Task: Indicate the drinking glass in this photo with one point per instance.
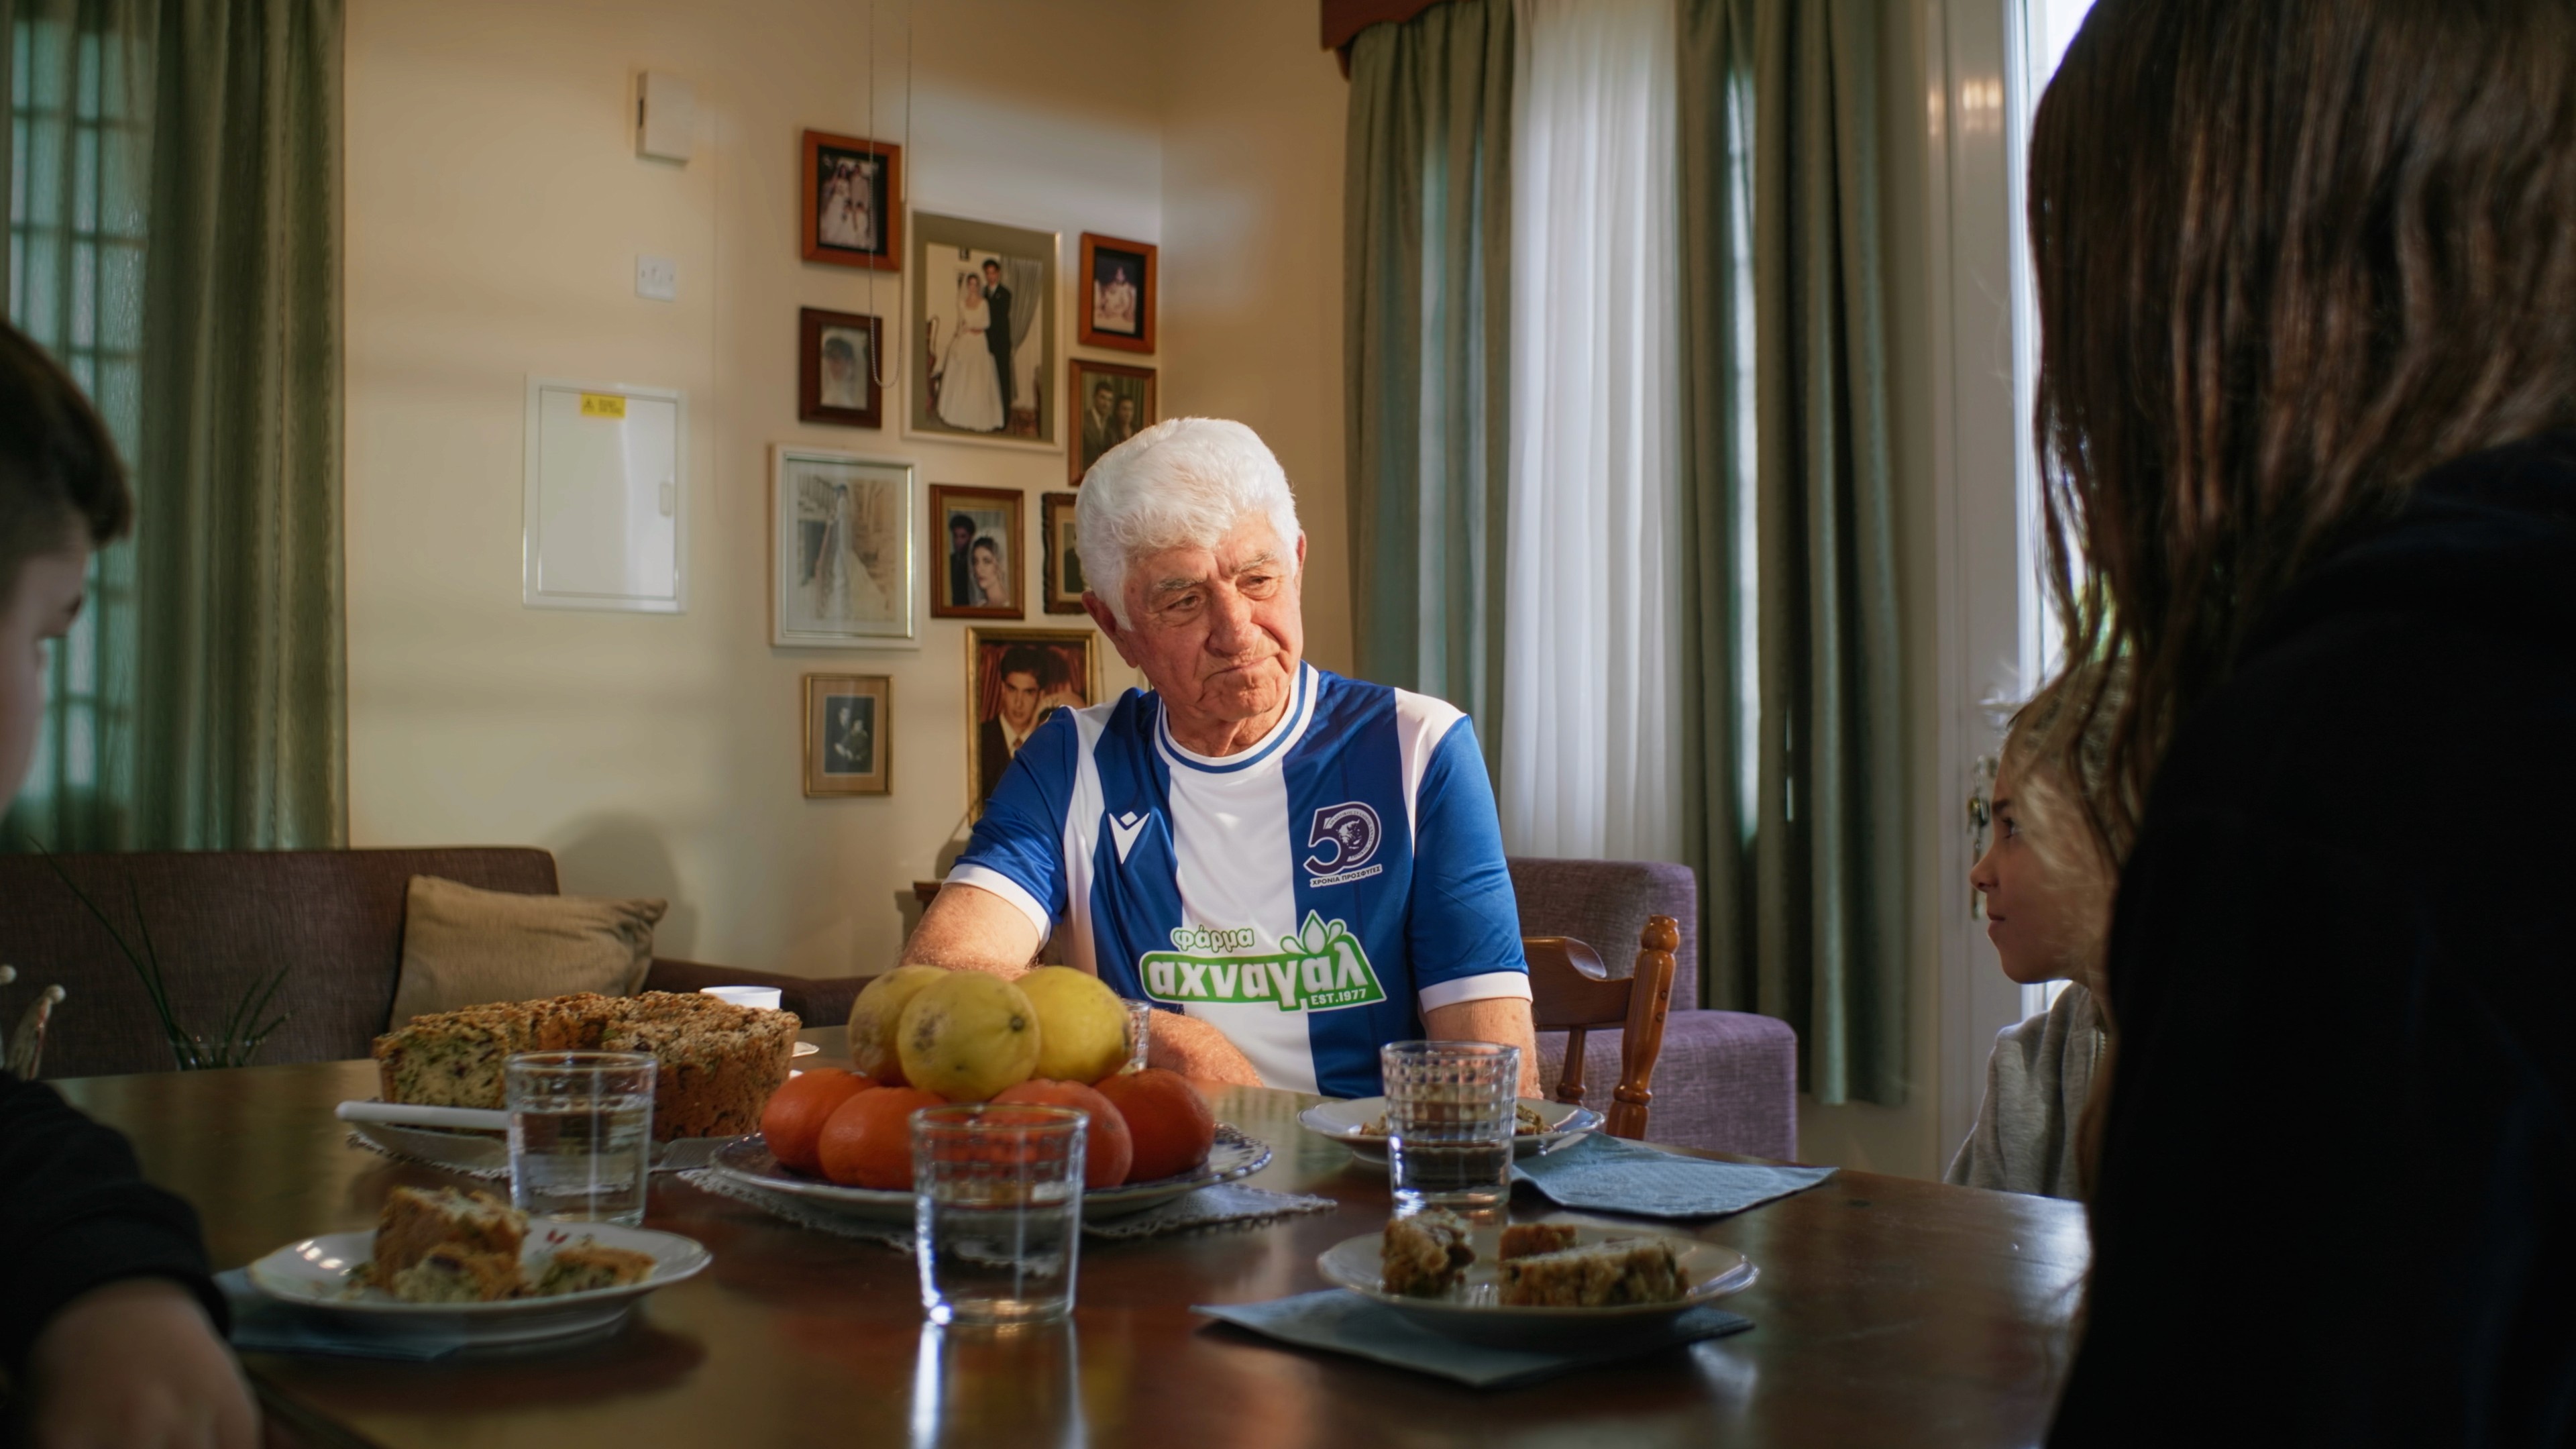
(997, 1211)
(1140, 1032)
(581, 1134)
(1449, 1110)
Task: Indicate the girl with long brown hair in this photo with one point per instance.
(2307, 295)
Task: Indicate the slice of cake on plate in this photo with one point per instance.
(1424, 1255)
(583, 1266)
(445, 1246)
(1621, 1271)
(1522, 1240)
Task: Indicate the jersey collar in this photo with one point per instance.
(1292, 723)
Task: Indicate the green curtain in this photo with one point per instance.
(1801, 850)
(175, 239)
(1426, 336)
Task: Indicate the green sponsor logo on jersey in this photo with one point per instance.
(1320, 968)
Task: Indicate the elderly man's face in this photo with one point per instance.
(1218, 632)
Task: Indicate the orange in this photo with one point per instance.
(1171, 1124)
(793, 1121)
(868, 1141)
(1108, 1150)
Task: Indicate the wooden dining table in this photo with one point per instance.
(1889, 1311)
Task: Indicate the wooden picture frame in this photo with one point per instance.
(962, 581)
(861, 227)
(849, 735)
(964, 382)
(1116, 272)
(842, 565)
(1062, 567)
(1063, 667)
(846, 395)
(1131, 389)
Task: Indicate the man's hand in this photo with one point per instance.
(1198, 1051)
(1503, 1019)
(134, 1364)
(970, 929)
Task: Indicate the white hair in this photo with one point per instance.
(1182, 483)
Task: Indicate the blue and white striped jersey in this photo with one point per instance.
(1309, 897)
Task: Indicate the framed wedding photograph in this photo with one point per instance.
(853, 201)
(975, 547)
(1111, 401)
(984, 330)
(1015, 678)
(1117, 293)
(836, 369)
(840, 551)
(1064, 584)
(849, 735)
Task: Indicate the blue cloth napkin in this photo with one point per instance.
(261, 1324)
(1341, 1321)
(1603, 1174)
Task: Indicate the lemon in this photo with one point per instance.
(1082, 1025)
(874, 1017)
(968, 1036)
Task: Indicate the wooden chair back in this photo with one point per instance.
(1573, 992)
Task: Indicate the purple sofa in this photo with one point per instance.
(1727, 1080)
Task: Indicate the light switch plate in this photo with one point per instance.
(657, 278)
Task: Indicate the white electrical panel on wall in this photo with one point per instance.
(607, 497)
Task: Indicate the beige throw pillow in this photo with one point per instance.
(465, 947)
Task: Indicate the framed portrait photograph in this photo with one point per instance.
(849, 743)
(975, 552)
(1117, 299)
(1015, 678)
(1111, 401)
(984, 324)
(853, 201)
(840, 550)
(1063, 566)
(837, 361)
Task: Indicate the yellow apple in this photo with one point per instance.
(968, 1036)
(875, 1016)
(1082, 1025)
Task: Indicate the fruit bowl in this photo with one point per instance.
(748, 1160)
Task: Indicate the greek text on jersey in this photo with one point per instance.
(1321, 968)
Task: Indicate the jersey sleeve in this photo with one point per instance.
(1017, 851)
(1464, 934)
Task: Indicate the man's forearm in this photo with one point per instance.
(1504, 1019)
(1195, 1049)
(967, 928)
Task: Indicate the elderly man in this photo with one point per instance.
(1298, 868)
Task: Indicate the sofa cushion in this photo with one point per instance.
(465, 947)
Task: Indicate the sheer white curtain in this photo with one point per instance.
(1591, 716)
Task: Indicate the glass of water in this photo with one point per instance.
(1449, 1111)
(581, 1134)
(1140, 1032)
(997, 1211)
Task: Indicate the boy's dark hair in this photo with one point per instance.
(60, 478)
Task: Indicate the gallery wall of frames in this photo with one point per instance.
(973, 345)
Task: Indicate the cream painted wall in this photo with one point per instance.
(1252, 259)
(495, 210)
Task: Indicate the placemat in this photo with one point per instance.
(1341, 1321)
(1604, 1174)
(897, 1236)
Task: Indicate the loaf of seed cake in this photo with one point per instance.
(719, 1062)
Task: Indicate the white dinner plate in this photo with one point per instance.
(807, 1049)
(1347, 1123)
(1472, 1310)
(315, 1274)
(748, 1160)
(487, 1154)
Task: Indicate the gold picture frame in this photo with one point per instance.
(1063, 668)
(849, 735)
